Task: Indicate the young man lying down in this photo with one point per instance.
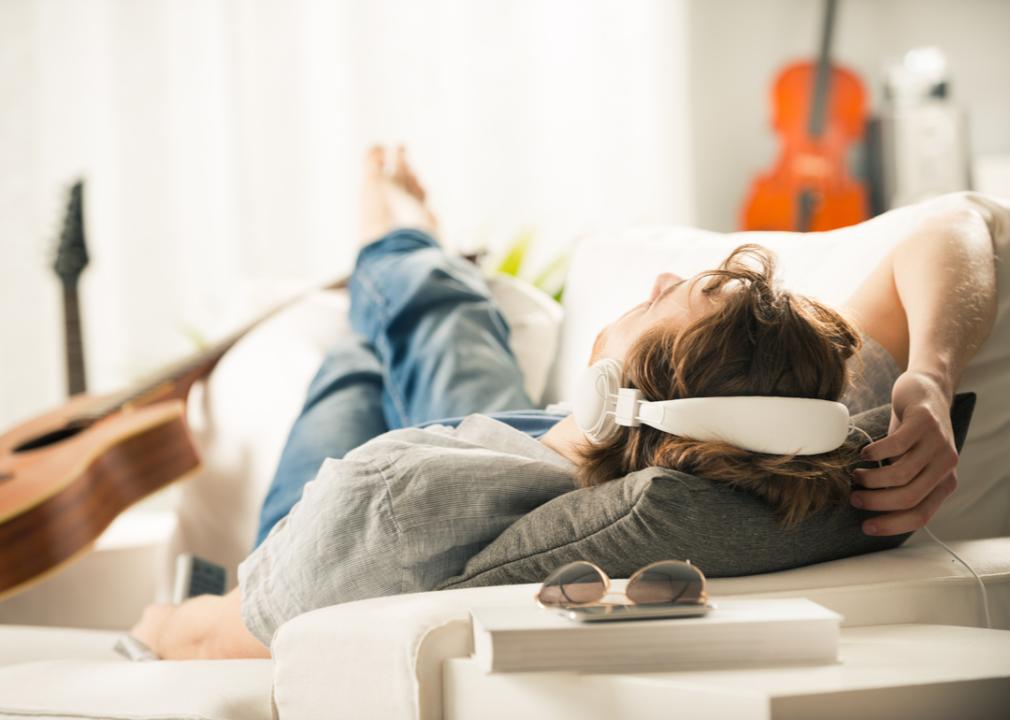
(377, 493)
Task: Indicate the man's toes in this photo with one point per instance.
(401, 168)
(404, 175)
(415, 189)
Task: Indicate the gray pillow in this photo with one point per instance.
(658, 514)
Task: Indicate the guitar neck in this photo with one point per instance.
(74, 344)
(822, 79)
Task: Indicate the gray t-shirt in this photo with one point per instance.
(408, 509)
(399, 514)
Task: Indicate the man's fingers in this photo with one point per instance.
(903, 521)
(897, 443)
(903, 497)
(901, 472)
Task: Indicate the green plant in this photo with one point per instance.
(550, 278)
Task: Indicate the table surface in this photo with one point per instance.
(889, 670)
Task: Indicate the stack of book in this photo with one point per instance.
(741, 633)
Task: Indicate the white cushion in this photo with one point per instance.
(22, 644)
(398, 644)
(611, 273)
(66, 673)
(535, 320)
(240, 418)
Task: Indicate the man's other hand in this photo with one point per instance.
(922, 457)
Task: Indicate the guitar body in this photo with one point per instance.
(64, 478)
(811, 170)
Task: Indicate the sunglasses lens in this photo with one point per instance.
(666, 582)
(573, 584)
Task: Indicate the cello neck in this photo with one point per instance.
(822, 79)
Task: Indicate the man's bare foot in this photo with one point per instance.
(391, 200)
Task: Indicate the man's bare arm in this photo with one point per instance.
(931, 303)
(946, 279)
(204, 627)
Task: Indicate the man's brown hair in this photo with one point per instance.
(760, 340)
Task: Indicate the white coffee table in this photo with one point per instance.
(886, 671)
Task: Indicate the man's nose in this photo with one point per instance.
(663, 281)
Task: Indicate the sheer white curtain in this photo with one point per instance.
(221, 142)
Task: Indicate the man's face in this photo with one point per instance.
(674, 302)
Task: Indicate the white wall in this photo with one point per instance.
(738, 46)
(221, 138)
(221, 141)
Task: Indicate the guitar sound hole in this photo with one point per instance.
(52, 437)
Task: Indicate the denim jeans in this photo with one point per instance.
(429, 347)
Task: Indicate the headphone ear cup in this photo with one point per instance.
(595, 400)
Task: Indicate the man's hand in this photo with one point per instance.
(151, 625)
(923, 457)
(205, 627)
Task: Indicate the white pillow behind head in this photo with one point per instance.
(611, 273)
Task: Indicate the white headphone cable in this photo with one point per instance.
(981, 585)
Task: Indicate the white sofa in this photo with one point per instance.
(385, 657)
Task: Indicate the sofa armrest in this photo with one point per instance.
(380, 657)
(383, 657)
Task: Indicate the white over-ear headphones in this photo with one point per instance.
(773, 425)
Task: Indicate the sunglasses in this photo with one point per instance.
(581, 583)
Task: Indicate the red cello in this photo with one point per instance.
(819, 111)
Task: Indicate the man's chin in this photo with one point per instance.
(597, 352)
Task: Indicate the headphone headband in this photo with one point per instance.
(772, 425)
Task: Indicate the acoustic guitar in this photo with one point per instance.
(66, 475)
(819, 111)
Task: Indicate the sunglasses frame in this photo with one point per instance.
(599, 602)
